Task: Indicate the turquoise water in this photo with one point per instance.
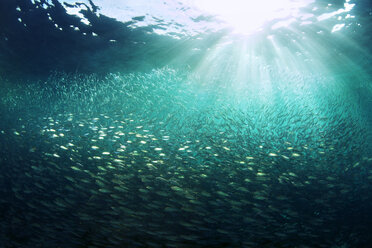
(209, 139)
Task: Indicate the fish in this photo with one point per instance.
(142, 165)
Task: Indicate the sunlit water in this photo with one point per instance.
(185, 124)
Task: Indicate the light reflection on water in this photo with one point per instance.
(302, 36)
(191, 17)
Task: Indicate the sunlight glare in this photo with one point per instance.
(248, 16)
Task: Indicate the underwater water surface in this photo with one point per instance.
(185, 123)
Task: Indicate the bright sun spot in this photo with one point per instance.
(248, 16)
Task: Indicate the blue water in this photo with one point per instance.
(160, 125)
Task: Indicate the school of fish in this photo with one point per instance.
(160, 159)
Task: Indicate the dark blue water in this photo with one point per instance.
(194, 137)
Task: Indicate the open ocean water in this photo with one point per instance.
(185, 123)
